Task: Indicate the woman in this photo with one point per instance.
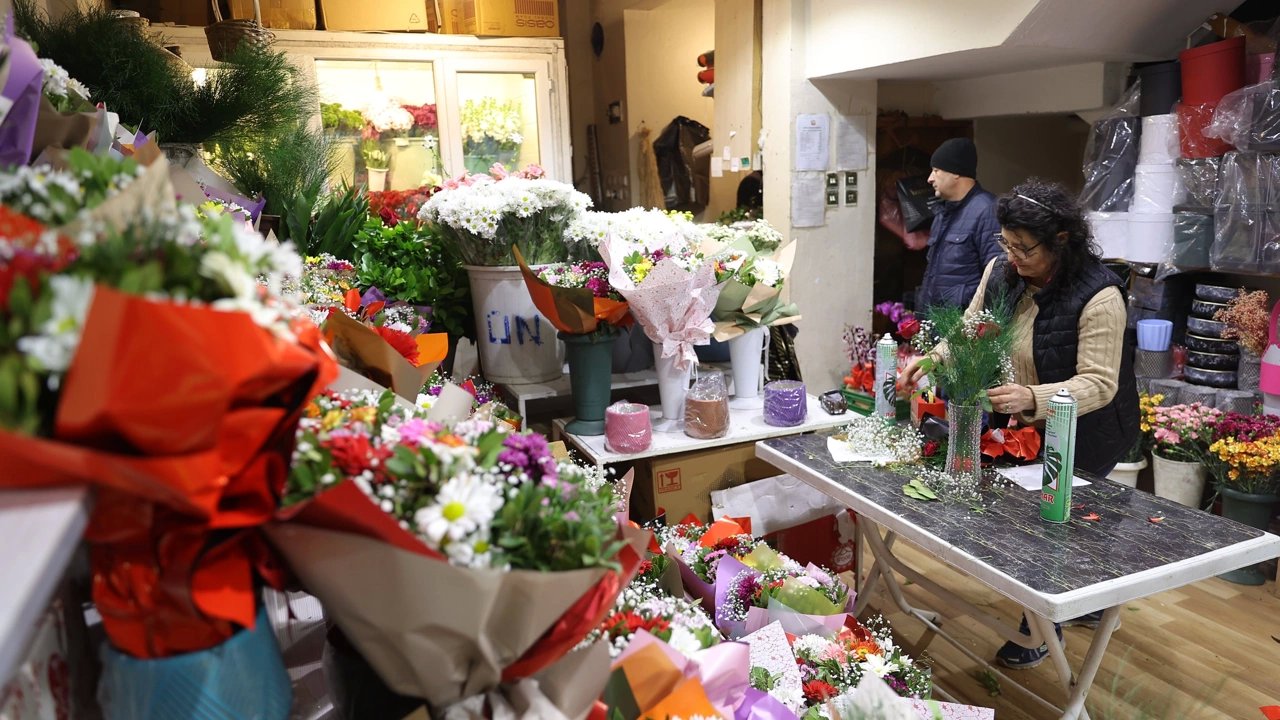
(1069, 317)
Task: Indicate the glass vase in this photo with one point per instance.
(964, 442)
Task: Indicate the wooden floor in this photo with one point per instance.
(1208, 650)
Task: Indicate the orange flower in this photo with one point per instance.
(451, 440)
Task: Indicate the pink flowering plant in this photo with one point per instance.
(590, 274)
(1180, 432)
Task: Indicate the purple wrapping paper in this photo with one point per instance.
(760, 705)
(23, 89)
(254, 207)
(703, 592)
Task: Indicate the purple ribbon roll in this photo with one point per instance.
(785, 403)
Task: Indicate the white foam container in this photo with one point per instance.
(1150, 237)
(1158, 143)
(1110, 232)
(1154, 189)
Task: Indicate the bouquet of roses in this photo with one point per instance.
(681, 624)
(764, 586)
(483, 216)
(1179, 432)
(1244, 453)
(831, 665)
(671, 288)
(751, 289)
(396, 206)
(576, 297)
(500, 557)
(93, 336)
(425, 118)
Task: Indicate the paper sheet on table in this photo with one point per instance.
(1030, 477)
(841, 452)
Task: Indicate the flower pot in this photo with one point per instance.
(1249, 370)
(243, 677)
(964, 442)
(745, 355)
(1127, 473)
(1179, 481)
(590, 360)
(673, 386)
(377, 179)
(1254, 510)
(517, 344)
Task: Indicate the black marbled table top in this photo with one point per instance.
(1010, 537)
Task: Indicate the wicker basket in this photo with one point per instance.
(225, 36)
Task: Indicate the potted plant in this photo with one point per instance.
(1179, 437)
(1244, 459)
(1247, 317)
(377, 162)
(1131, 464)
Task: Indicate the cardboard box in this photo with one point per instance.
(511, 18)
(450, 14)
(682, 484)
(388, 15)
(278, 14)
(179, 12)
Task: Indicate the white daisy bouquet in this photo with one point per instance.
(484, 216)
(759, 234)
(765, 586)
(831, 665)
(59, 196)
(142, 356)
(752, 288)
(492, 557)
(64, 92)
(638, 226)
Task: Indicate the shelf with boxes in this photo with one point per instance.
(406, 109)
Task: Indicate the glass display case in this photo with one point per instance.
(404, 110)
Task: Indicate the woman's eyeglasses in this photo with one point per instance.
(1020, 252)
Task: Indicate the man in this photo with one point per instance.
(963, 237)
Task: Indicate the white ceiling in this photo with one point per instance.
(1052, 33)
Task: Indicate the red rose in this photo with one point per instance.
(909, 327)
(815, 691)
(984, 329)
(351, 453)
(930, 448)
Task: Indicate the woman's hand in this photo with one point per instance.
(913, 373)
(1011, 399)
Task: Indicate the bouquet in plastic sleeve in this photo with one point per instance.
(385, 343)
(146, 360)
(22, 95)
(764, 586)
(576, 297)
(680, 623)
(484, 216)
(493, 558)
(698, 549)
(671, 288)
(835, 663)
(751, 289)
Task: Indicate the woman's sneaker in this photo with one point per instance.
(1091, 621)
(1017, 657)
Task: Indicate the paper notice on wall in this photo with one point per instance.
(813, 135)
(808, 199)
(851, 142)
(717, 166)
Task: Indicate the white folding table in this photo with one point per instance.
(1053, 571)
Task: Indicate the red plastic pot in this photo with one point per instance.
(1211, 71)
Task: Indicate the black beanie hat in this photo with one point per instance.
(957, 155)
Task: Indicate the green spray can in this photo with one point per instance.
(1059, 458)
(887, 377)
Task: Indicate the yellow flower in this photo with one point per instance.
(364, 414)
(641, 269)
(332, 419)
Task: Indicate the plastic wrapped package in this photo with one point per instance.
(1249, 118)
(627, 427)
(1269, 243)
(1237, 232)
(1154, 189)
(1193, 121)
(1192, 241)
(1150, 237)
(1198, 182)
(1244, 222)
(785, 403)
(1158, 143)
(706, 406)
(1110, 232)
(1111, 155)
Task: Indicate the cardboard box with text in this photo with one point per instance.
(682, 484)
(501, 18)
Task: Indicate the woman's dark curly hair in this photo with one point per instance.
(1045, 211)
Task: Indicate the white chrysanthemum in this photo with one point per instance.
(810, 645)
(877, 665)
(464, 504)
(56, 79)
(59, 336)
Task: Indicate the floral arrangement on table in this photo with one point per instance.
(185, 480)
(681, 624)
(1247, 318)
(377, 485)
(751, 289)
(576, 297)
(967, 353)
(484, 215)
(425, 119)
(1244, 453)
(832, 666)
(64, 92)
(492, 130)
(1177, 432)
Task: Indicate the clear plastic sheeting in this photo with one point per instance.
(1192, 242)
(1158, 143)
(1155, 187)
(1198, 182)
(1193, 120)
(1111, 155)
(1247, 215)
(1249, 118)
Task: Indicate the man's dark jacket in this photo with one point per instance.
(961, 243)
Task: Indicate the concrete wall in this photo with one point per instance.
(831, 279)
(662, 47)
(1012, 149)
